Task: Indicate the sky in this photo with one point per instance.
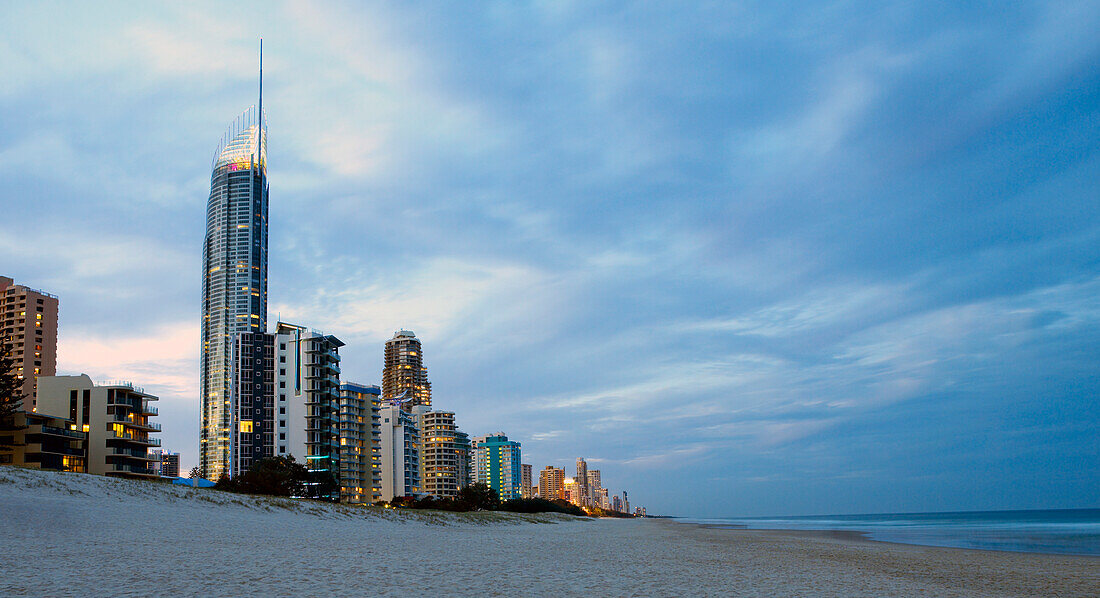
(746, 258)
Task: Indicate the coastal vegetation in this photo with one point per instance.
(480, 497)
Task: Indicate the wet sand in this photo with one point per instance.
(845, 563)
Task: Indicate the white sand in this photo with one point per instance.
(71, 534)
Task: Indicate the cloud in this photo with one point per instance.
(718, 242)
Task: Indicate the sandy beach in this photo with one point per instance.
(72, 534)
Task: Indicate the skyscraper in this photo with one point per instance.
(234, 277)
(581, 481)
(404, 371)
(28, 325)
(400, 457)
(525, 482)
(307, 381)
(360, 447)
(552, 483)
(439, 454)
(497, 464)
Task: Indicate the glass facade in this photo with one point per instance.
(234, 280)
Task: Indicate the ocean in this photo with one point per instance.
(1064, 531)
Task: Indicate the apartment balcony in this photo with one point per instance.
(129, 423)
(134, 470)
(132, 437)
(32, 448)
(130, 454)
(52, 431)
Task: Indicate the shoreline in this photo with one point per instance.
(865, 536)
(937, 570)
(857, 536)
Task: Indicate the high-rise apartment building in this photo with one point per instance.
(307, 385)
(28, 326)
(463, 455)
(403, 373)
(594, 486)
(438, 452)
(400, 456)
(581, 496)
(359, 443)
(234, 279)
(525, 490)
(114, 415)
(252, 399)
(497, 464)
(552, 483)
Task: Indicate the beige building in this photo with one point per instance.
(439, 454)
(360, 444)
(403, 373)
(525, 489)
(28, 322)
(114, 415)
(43, 442)
(552, 483)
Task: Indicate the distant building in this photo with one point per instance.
(639, 511)
(580, 491)
(463, 456)
(552, 483)
(439, 455)
(594, 489)
(252, 400)
(403, 373)
(525, 489)
(497, 464)
(570, 490)
(307, 376)
(169, 463)
(115, 416)
(28, 325)
(616, 503)
(400, 460)
(360, 432)
(44, 442)
(626, 503)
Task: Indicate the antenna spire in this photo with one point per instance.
(260, 110)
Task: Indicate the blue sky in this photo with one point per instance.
(747, 258)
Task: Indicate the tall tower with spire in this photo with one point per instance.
(234, 278)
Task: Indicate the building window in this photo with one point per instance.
(282, 423)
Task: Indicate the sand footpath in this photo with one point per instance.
(80, 535)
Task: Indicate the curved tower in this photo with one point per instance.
(234, 277)
(404, 371)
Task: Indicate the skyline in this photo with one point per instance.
(758, 262)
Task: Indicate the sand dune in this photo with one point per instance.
(71, 534)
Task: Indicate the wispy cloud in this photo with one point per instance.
(714, 242)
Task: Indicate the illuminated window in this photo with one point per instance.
(246, 427)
